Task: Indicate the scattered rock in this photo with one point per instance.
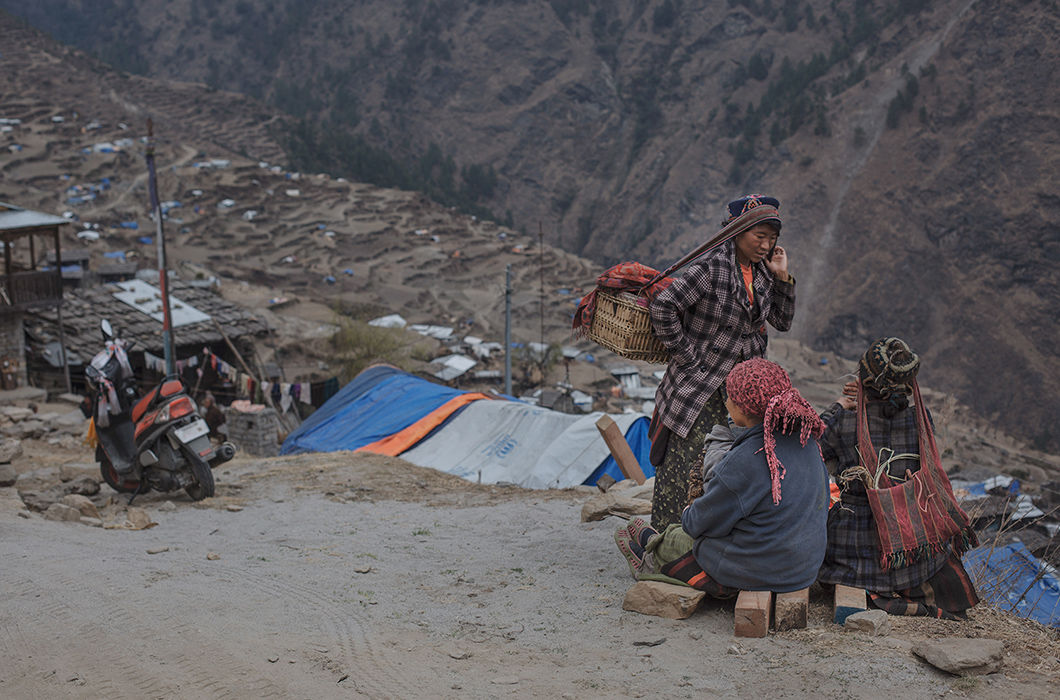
(82, 503)
(11, 502)
(157, 550)
(362, 569)
(601, 505)
(504, 680)
(650, 643)
(232, 508)
(696, 635)
(871, 622)
(38, 479)
(73, 470)
(16, 413)
(138, 519)
(8, 476)
(40, 500)
(963, 657)
(84, 485)
(273, 659)
(166, 507)
(459, 654)
(72, 423)
(91, 522)
(59, 511)
(213, 556)
(734, 650)
(662, 599)
(10, 448)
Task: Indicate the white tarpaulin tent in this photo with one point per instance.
(518, 443)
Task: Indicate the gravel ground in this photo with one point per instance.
(333, 575)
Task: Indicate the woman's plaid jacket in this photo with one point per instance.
(704, 319)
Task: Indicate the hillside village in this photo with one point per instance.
(293, 283)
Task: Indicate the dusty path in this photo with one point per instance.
(471, 592)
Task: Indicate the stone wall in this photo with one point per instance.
(13, 347)
(253, 433)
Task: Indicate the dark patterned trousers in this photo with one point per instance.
(683, 454)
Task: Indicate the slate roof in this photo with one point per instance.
(83, 309)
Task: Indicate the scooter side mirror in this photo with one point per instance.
(108, 331)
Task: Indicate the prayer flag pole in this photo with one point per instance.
(163, 274)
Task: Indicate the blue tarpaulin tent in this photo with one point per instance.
(1013, 579)
(379, 402)
(544, 448)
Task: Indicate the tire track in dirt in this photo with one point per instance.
(138, 618)
(345, 631)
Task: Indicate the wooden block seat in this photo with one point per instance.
(847, 602)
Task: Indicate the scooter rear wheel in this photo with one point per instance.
(200, 469)
(110, 475)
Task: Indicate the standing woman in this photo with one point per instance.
(711, 318)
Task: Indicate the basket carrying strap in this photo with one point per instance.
(737, 225)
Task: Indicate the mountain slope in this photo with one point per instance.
(912, 145)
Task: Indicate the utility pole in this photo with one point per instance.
(508, 330)
(163, 274)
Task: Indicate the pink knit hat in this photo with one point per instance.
(762, 388)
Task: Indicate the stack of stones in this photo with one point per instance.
(253, 433)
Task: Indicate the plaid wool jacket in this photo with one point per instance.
(706, 322)
(853, 554)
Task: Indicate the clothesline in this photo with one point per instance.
(283, 394)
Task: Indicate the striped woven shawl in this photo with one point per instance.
(920, 516)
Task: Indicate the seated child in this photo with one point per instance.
(745, 532)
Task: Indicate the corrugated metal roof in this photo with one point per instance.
(13, 218)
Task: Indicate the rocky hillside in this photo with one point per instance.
(911, 143)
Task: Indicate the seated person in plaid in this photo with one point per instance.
(932, 581)
(740, 534)
(710, 318)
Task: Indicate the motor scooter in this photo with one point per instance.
(157, 441)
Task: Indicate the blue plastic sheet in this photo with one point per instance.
(378, 403)
(1015, 580)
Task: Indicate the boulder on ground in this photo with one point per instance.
(84, 485)
(83, 504)
(40, 500)
(58, 511)
(38, 479)
(73, 470)
(10, 448)
(872, 622)
(603, 504)
(8, 475)
(662, 599)
(962, 657)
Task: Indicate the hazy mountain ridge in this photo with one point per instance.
(623, 127)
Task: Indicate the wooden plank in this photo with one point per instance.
(791, 610)
(847, 602)
(752, 614)
(616, 442)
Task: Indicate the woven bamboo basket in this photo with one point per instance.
(623, 326)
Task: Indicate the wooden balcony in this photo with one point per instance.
(30, 290)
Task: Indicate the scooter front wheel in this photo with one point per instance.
(204, 484)
(110, 475)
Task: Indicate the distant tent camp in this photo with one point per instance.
(474, 436)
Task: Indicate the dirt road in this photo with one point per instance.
(349, 575)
